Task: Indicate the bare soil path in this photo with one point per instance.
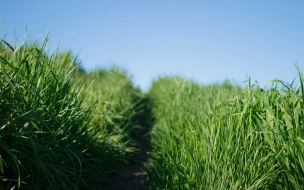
(132, 176)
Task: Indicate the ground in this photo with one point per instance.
(132, 176)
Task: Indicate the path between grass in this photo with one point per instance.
(132, 176)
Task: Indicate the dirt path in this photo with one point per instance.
(132, 176)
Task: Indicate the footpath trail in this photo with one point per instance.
(132, 176)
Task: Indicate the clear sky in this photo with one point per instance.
(206, 41)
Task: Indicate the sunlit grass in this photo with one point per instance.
(223, 137)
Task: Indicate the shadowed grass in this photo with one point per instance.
(57, 130)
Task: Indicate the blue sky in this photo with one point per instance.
(206, 41)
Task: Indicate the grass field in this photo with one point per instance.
(63, 128)
(225, 137)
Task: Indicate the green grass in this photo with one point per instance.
(63, 128)
(116, 105)
(59, 127)
(223, 137)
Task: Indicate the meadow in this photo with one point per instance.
(61, 128)
(64, 128)
(223, 136)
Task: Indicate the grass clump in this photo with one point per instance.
(41, 120)
(223, 137)
(53, 133)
